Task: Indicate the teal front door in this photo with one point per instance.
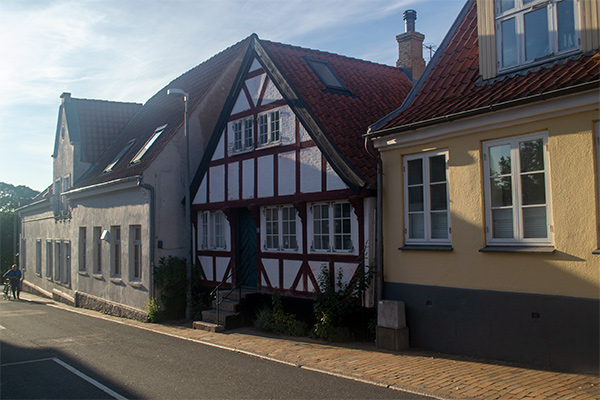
(246, 249)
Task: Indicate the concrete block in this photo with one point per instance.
(392, 339)
(390, 314)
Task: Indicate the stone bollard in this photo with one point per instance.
(392, 333)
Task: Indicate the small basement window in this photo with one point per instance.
(326, 74)
(143, 150)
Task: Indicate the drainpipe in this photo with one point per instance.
(151, 190)
(379, 233)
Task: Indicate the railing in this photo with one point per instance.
(220, 299)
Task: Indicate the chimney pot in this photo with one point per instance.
(410, 16)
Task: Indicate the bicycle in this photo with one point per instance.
(7, 289)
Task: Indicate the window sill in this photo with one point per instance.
(597, 251)
(426, 247)
(100, 277)
(83, 273)
(136, 284)
(518, 249)
(117, 280)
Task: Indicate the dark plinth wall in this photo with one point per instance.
(553, 332)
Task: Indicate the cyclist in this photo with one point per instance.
(14, 274)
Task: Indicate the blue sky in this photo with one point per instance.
(126, 50)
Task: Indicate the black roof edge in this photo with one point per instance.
(417, 87)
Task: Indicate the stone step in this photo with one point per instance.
(227, 305)
(207, 326)
(235, 295)
(228, 320)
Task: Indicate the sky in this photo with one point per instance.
(127, 50)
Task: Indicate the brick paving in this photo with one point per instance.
(437, 375)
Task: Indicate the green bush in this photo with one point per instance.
(170, 278)
(153, 310)
(336, 301)
(278, 321)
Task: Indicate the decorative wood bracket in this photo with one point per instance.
(301, 208)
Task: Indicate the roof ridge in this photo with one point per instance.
(328, 53)
(105, 101)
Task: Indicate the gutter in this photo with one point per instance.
(485, 109)
(151, 239)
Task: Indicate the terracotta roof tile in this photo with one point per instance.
(374, 91)
(453, 84)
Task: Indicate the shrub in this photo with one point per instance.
(170, 278)
(278, 321)
(336, 301)
(152, 309)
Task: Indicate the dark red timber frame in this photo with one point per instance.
(300, 201)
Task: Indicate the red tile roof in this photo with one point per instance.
(374, 90)
(452, 86)
(157, 111)
(94, 123)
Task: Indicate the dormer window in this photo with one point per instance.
(118, 158)
(528, 31)
(143, 150)
(326, 74)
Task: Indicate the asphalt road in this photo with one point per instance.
(48, 352)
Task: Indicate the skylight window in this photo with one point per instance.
(143, 150)
(326, 74)
(118, 158)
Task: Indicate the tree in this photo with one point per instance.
(11, 198)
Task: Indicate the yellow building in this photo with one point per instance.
(490, 174)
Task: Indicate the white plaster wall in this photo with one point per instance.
(254, 86)
(233, 181)
(221, 266)
(310, 170)
(220, 149)
(315, 267)
(272, 270)
(201, 194)
(241, 104)
(207, 267)
(288, 125)
(287, 173)
(304, 136)
(271, 94)
(348, 270)
(217, 184)
(290, 271)
(248, 179)
(334, 182)
(265, 176)
(255, 65)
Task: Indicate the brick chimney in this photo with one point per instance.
(410, 48)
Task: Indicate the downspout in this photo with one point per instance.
(151, 241)
(379, 225)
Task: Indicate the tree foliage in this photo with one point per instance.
(13, 197)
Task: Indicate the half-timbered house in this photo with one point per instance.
(287, 186)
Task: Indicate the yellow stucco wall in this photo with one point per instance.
(572, 270)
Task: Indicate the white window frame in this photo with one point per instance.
(38, 257)
(116, 251)
(269, 128)
(135, 252)
(49, 258)
(214, 230)
(97, 269)
(242, 135)
(274, 236)
(327, 232)
(82, 248)
(518, 12)
(427, 211)
(515, 174)
(140, 154)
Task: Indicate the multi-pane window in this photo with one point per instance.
(243, 134)
(57, 260)
(332, 227)
(38, 257)
(49, 259)
(272, 225)
(135, 232)
(116, 250)
(97, 250)
(280, 228)
(213, 230)
(82, 248)
(217, 230)
(269, 128)
(529, 30)
(426, 203)
(517, 196)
